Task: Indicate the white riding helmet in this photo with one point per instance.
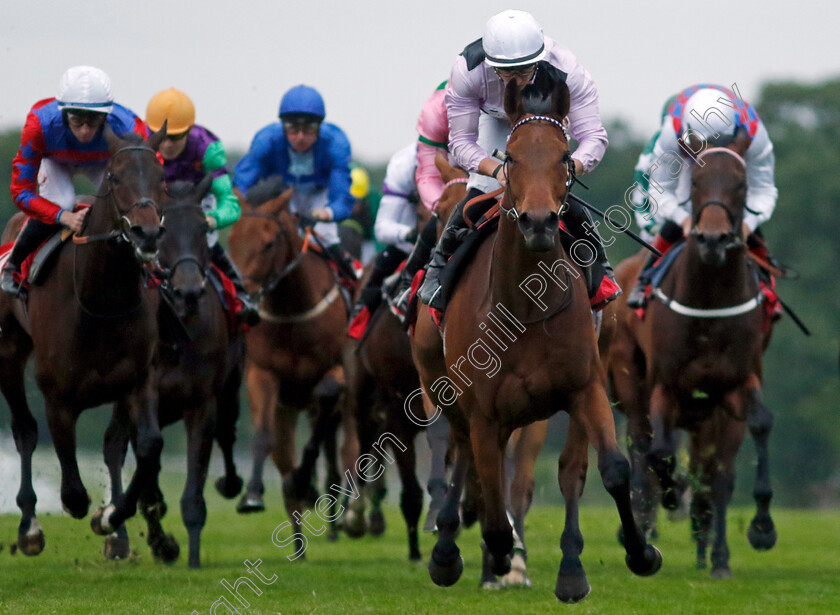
(85, 88)
(716, 117)
(513, 38)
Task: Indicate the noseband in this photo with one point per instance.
(511, 212)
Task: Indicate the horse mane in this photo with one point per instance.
(265, 190)
(547, 95)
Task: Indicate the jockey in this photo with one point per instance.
(702, 116)
(62, 137)
(514, 48)
(189, 152)
(313, 156)
(433, 137)
(396, 225)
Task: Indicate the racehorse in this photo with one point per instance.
(694, 363)
(92, 326)
(201, 359)
(551, 364)
(293, 356)
(380, 377)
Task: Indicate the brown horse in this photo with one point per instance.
(380, 377)
(550, 364)
(293, 356)
(201, 357)
(92, 325)
(694, 363)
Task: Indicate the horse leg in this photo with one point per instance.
(446, 564)
(360, 410)
(663, 450)
(263, 392)
(143, 410)
(730, 435)
(114, 449)
(572, 585)
(762, 532)
(283, 453)
(488, 453)
(61, 420)
(701, 500)
(437, 435)
(227, 404)
(200, 423)
(153, 508)
(593, 410)
(15, 352)
(411, 498)
(525, 454)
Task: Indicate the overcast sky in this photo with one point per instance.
(375, 62)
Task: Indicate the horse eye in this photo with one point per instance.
(268, 246)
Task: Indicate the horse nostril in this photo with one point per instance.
(525, 219)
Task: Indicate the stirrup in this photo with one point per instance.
(8, 284)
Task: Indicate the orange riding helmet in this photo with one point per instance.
(174, 107)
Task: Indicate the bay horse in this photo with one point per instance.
(553, 363)
(201, 360)
(380, 377)
(293, 356)
(695, 363)
(92, 326)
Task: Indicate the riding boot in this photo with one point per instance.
(667, 237)
(603, 288)
(400, 290)
(343, 263)
(449, 241)
(31, 236)
(249, 315)
(383, 265)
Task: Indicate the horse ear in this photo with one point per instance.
(513, 102)
(742, 141)
(560, 99)
(111, 138)
(157, 137)
(279, 203)
(442, 164)
(204, 185)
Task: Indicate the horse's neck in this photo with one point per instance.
(702, 285)
(304, 286)
(515, 269)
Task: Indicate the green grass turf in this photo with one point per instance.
(373, 575)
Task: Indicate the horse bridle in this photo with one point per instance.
(169, 272)
(272, 282)
(511, 212)
(121, 222)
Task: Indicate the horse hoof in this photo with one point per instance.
(491, 585)
(165, 549)
(671, 500)
(116, 547)
(100, 523)
(354, 524)
(229, 488)
(332, 535)
(415, 556)
(376, 523)
(250, 503)
(31, 542)
(446, 576)
(762, 538)
(500, 566)
(648, 565)
(76, 504)
(721, 573)
(518, 575)
(571, 588)
(701, 563)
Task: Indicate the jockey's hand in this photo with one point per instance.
(322, 214)
(745, 230)
(686, 226)
(74, 219)
(578, 167)
(211, 222)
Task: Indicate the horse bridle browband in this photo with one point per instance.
(511, 212)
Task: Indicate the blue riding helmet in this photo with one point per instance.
(302, 100)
